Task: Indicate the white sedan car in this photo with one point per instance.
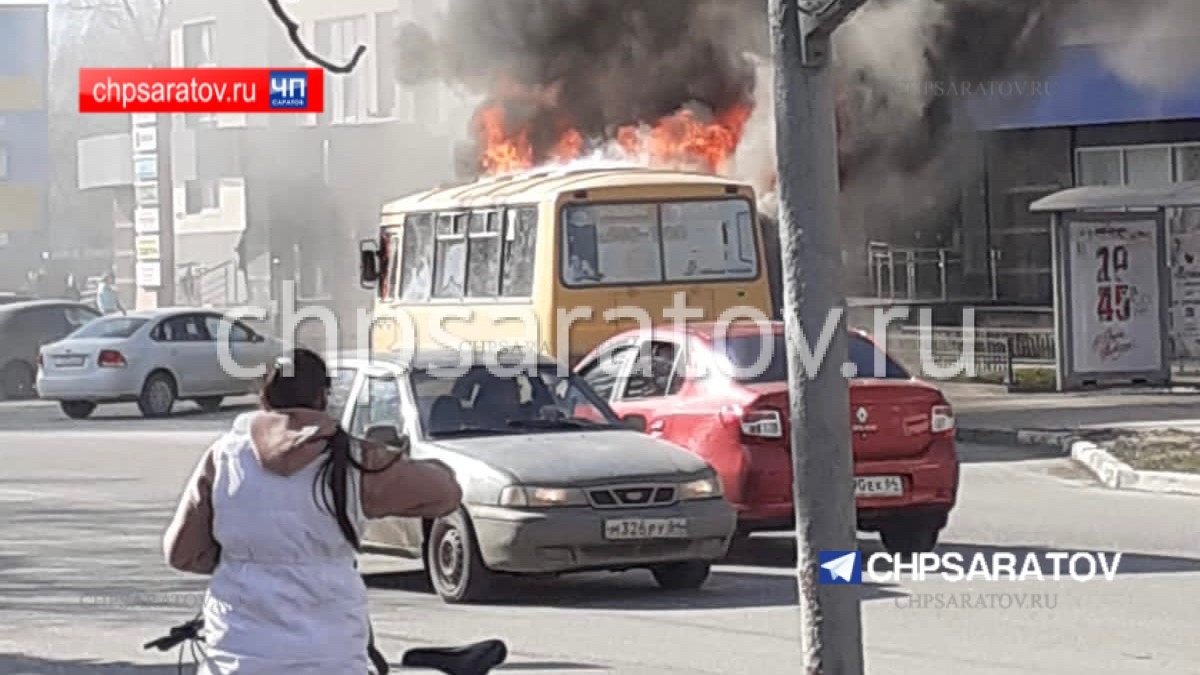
(154, 358)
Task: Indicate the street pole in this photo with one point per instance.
(166, 218)
(822, 463)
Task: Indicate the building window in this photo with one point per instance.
(202, 195)
(385, 66)
(339, 38)
(3, 161)
(1147, 166)
(146, 194)
(1138, 165)
(1187, 162)
(1100, 167)
(199, 51)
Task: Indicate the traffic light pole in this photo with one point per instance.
(822, 463)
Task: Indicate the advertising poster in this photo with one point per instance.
(146, 220)
(145, 140)
(1184, 257)
(149, 275)
(145, 168)
(147, 247)
(1114, 289)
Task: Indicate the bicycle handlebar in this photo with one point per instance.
(477, 659)
(177, 636)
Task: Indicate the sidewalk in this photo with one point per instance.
(992, 408)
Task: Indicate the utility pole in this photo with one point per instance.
(166, 212)
(822, 463)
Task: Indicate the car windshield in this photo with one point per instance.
(751, 365)
(479, 401)
(117, 327)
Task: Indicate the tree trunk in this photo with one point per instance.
(806, 135)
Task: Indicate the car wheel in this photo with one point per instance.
(17, 381)
(456, 570)
(77, 410)
(906, 537)
(682, 576)
(210, 404)
(158, 395)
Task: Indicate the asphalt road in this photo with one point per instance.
(82, 583)
(123, 417)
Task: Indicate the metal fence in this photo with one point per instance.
(216, 286)
(912, 273)
(946, 354)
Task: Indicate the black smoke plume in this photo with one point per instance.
(592, 65)
(896, 114)
(596, 65)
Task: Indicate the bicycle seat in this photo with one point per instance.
(476, 659)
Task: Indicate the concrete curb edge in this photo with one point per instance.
(1110, 471)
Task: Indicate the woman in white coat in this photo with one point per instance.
(273, 513)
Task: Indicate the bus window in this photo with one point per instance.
(611, 244)
(451, 256)
(483, 254)
(416, 262)
(520, 241)
(394, 244)
(709, 241)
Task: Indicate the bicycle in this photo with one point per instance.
(476, 659)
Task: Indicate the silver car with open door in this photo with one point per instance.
(553, 481)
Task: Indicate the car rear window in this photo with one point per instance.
(121, 327)
(745, 352)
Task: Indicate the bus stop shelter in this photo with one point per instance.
(1116, 253)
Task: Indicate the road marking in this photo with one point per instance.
(1160, 424)
(149, 434)
(12, 494)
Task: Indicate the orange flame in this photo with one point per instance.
(569, 147)
(683, 140)
(680, 141)
(502, 153)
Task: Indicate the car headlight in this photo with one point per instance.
(705, 488)
(541, 497)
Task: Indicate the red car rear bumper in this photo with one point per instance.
(930, 490)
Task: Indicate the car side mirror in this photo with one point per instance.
(386, 434)
(636, 422)
(368, 263)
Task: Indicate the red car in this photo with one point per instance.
(714, 404)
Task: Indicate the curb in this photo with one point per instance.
(1110, 471)
(1051, 440)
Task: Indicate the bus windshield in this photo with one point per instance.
(634, 243)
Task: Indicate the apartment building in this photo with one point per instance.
(260, 200)
(24, 139)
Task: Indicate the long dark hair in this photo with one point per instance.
(298, 381)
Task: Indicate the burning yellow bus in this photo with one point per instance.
(561, 259)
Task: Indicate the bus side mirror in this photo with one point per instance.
(368, 263)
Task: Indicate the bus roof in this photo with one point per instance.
(549, 183)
